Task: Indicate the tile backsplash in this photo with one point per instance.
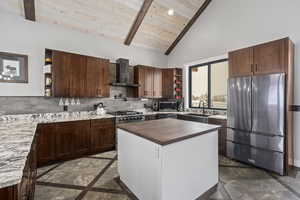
(29, 105)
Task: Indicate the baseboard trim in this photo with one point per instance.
(297, 163)
(204, 196)
(208, 193)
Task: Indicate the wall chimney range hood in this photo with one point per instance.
(122, 74)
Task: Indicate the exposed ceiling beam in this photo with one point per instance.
(29, 9)
(138, 21)
(188, 26)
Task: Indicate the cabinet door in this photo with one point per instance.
(149, 82)
(168, 83)
(102, 135)
(241, 62)
(94, 77)
(81, 138)
(97, 77)
(9, 193)
(104, 76)
(269, 57)
(139, 78)
(64, 140)
(61, 70)
(157, 83)
(46, 144)
(222, 134)
(78, 75)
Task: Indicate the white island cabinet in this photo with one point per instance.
(168, 159)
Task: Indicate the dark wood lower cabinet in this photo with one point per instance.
(57, 142)
(68, 140)
(102, 135)
(9, 193)
(72, 139)
(46, 138)
(25, 189)
(82, 138)
(222, 134)
(64, 140)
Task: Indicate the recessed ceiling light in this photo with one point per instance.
(171, 12)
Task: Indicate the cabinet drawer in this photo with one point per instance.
(270, 160)
(103, 122)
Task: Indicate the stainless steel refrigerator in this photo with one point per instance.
(256, 107)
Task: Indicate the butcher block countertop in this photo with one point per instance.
(168, 131)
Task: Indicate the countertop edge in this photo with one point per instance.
(173, 140)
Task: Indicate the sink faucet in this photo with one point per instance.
(203, 103)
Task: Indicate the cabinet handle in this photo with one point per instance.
(256, 67)
(251, 68)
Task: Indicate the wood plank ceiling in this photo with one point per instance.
(113, 19)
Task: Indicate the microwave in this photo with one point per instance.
(167, 105)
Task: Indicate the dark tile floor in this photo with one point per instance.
(95, 178)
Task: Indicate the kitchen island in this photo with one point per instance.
(168, 159)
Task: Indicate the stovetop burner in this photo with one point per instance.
(125, 112)
(125, 116)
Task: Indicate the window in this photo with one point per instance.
(208, 85)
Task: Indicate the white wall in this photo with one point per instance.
(231, 24)
(31, 38)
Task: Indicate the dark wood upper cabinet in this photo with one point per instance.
(168, 83)
(76, 75)
(61, 69)
(270, 57)
(149, 82)
(139, 78)
(143, 76)
(46, 143)
(241, 62)
(104, 75)
(267, 58)
(157, 83)
(97, 77)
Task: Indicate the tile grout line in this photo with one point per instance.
(228, 196)
(60, 185)
(284, 185)
(49, 170)
(89, 186)
(125, 189)
(96, 189)
(100, 158)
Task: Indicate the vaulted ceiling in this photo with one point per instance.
(114, 19)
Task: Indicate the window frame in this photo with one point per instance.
(208, 64)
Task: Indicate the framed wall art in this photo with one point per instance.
(13, 68)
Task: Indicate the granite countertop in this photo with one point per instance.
(17, 134)
(167, 131)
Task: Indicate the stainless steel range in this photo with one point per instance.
(126, 116)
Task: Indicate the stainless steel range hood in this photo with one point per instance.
(122, 74)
